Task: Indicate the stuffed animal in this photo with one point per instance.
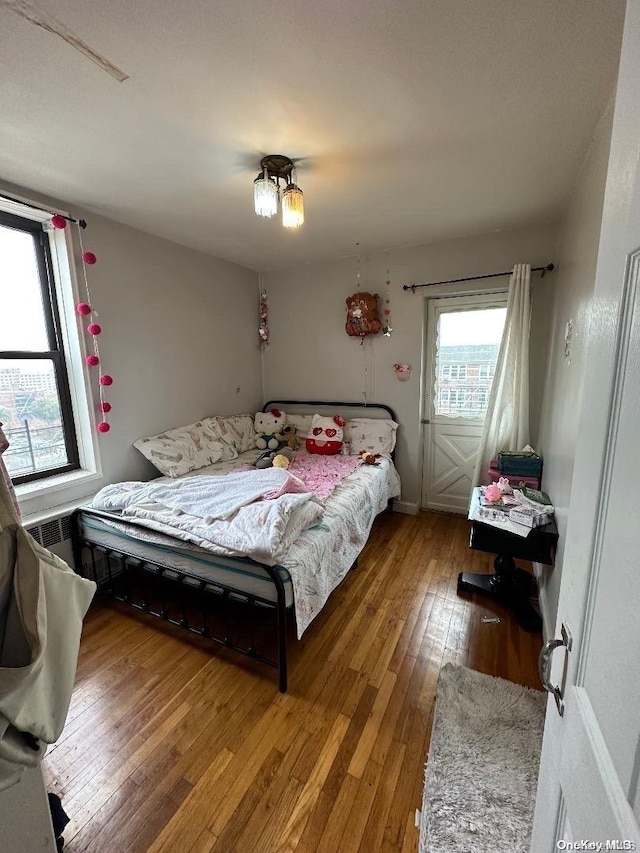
(369, 458)
(492, 494)
(325, 435)
(268, 459)
(362, 315)
(267, 426)
(289, 437)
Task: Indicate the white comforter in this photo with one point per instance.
(223, 514)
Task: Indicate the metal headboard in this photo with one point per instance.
(334, 408)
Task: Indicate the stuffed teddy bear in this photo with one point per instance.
(289, 437)
(362, 315)
(275, 458)
(325, 435)
(369, 458)
(267, 426)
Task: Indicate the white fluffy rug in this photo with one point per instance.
(482, 769)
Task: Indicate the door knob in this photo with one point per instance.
(544, 666)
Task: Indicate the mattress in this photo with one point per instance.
(314, 565)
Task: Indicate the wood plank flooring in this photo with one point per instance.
(173, 744)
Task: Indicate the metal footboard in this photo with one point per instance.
(206, 608)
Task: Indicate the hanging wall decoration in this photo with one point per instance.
(93, 328)
(263, 328)
(387, 328)
(362, 310)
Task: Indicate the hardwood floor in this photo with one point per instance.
(173, 744)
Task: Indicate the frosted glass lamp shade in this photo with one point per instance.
(292, 206)
(265, 196)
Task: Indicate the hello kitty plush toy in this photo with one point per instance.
(267, 425)
(325, 435)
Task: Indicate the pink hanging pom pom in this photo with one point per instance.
(94, 328)
(105, 407)
(92, 360)
(103, 426)
(89, 258)
(83, 308)
(105, 379)
(58, 221)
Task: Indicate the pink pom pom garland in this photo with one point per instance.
(58, 221)
(94, 329)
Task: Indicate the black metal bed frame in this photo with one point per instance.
(115, 582)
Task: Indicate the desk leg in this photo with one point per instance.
(510, 586)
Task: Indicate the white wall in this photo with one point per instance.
(180, 334)
(567, 296)
(311, 357)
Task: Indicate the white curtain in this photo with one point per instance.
(506, 425)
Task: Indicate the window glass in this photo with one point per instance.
(31, 416)
(22, 319)
(466, 355)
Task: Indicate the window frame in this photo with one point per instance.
(56, 353)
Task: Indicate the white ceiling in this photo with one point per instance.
(413, 120)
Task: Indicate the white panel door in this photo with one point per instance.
(462, 341)
(589, 783)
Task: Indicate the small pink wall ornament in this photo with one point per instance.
(402, 371)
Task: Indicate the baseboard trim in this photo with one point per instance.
(547, 630)
(406, 507)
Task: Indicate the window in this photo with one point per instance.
(466, 355)
(35, 399)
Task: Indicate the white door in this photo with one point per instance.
(589, 785)
(462, 343)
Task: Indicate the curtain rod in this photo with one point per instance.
(412, 287)
(80, 222)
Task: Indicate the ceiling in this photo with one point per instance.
(411, 121)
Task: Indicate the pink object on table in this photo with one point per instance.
(492, 493)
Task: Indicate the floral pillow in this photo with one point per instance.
(184, 449)
(373, 434)
(237, 431)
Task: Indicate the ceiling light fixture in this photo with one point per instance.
(266, 191)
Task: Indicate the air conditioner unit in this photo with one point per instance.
(55, 535)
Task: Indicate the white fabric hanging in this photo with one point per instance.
(42, 604)
(506, 425)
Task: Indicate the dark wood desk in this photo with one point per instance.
(509, 584)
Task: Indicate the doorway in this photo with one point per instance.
(463, 335)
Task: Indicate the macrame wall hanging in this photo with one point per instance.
(93, 329)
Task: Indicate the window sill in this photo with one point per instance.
(40, 496)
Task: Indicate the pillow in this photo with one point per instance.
(236, 431)
(302, 423)
(373, 434)
(325, 436)
(178, 451)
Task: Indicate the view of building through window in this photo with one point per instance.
(468, 345)
(31, 363)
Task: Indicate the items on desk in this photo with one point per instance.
(528, 507)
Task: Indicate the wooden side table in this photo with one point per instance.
(509, 584)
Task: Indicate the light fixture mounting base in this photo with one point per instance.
(278, 166)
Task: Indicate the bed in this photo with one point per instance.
(219, 592)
